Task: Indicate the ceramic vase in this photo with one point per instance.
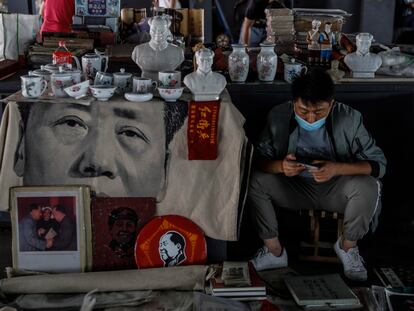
(267, 62)
(238, 63)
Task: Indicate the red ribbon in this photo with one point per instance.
(202, 130)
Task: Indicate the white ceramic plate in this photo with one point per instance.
(136, 97)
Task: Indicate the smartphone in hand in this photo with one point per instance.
(307, 162)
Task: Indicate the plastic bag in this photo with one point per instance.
(395, 63)
(17, 31)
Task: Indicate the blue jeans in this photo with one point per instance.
(257, 35)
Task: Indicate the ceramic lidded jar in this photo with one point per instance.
(267, 62)
(238, 63)
(123, 80)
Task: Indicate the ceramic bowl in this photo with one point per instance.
(137, 97)
(170, 94)
(102, 92)
(78, 90)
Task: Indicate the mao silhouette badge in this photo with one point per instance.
(168, 241)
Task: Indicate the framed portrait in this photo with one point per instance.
(49, 228)
(116, 223)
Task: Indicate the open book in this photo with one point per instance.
(322, 292)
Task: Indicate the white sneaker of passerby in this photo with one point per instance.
(352, 261)
(264, 260)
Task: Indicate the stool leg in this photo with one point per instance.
(316, 237)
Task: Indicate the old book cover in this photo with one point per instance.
(116, 223)
(321, 291)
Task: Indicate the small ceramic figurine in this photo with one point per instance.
(335, 73)
(327, 39)
(158, 55)
(204, 83)
(362, 63)
(312, 38)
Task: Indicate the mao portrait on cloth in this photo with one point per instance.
(48, 227)
(116, 223)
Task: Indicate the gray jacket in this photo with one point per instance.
(28, 239)
(350, 141)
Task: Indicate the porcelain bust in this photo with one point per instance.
(362, 63)
(204, 83)
(158, 55)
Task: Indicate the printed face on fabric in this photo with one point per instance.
(119, 149)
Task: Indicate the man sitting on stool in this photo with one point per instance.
(347, 164)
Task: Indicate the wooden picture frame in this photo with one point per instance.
(50, 228)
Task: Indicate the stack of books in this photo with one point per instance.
(238, 281)
(280, 29)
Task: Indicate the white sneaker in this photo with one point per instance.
(264, 260)
(352, 261)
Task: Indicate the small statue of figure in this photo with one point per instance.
(205, 84)
(335, 73)
(362, 63)
(312, 38)
(158, 55)
(327, 39)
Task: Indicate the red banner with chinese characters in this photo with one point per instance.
(202, 128)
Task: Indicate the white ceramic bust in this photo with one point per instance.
(362, 63)
(204, 83)
(158, 55)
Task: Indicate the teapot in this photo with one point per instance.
(94, 62)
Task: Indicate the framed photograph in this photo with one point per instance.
(49, 228)
(116, 223)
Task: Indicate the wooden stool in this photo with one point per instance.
(315, 229)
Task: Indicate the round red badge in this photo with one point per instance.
(168, 241)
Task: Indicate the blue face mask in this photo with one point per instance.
(310, 126)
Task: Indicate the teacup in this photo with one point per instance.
(144, 85)
(170, 94)
(102, 92)
(60, 81)
(103, 78)
(79, 90)
(170, 78)
(292, 70)
(122, 80)
(33, 86)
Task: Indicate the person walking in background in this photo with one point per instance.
(57, 15)
(253, 30)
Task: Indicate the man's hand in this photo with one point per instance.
(325, 172)
(155, 3)
(290, 167)
(49, 243)
(41, 231)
